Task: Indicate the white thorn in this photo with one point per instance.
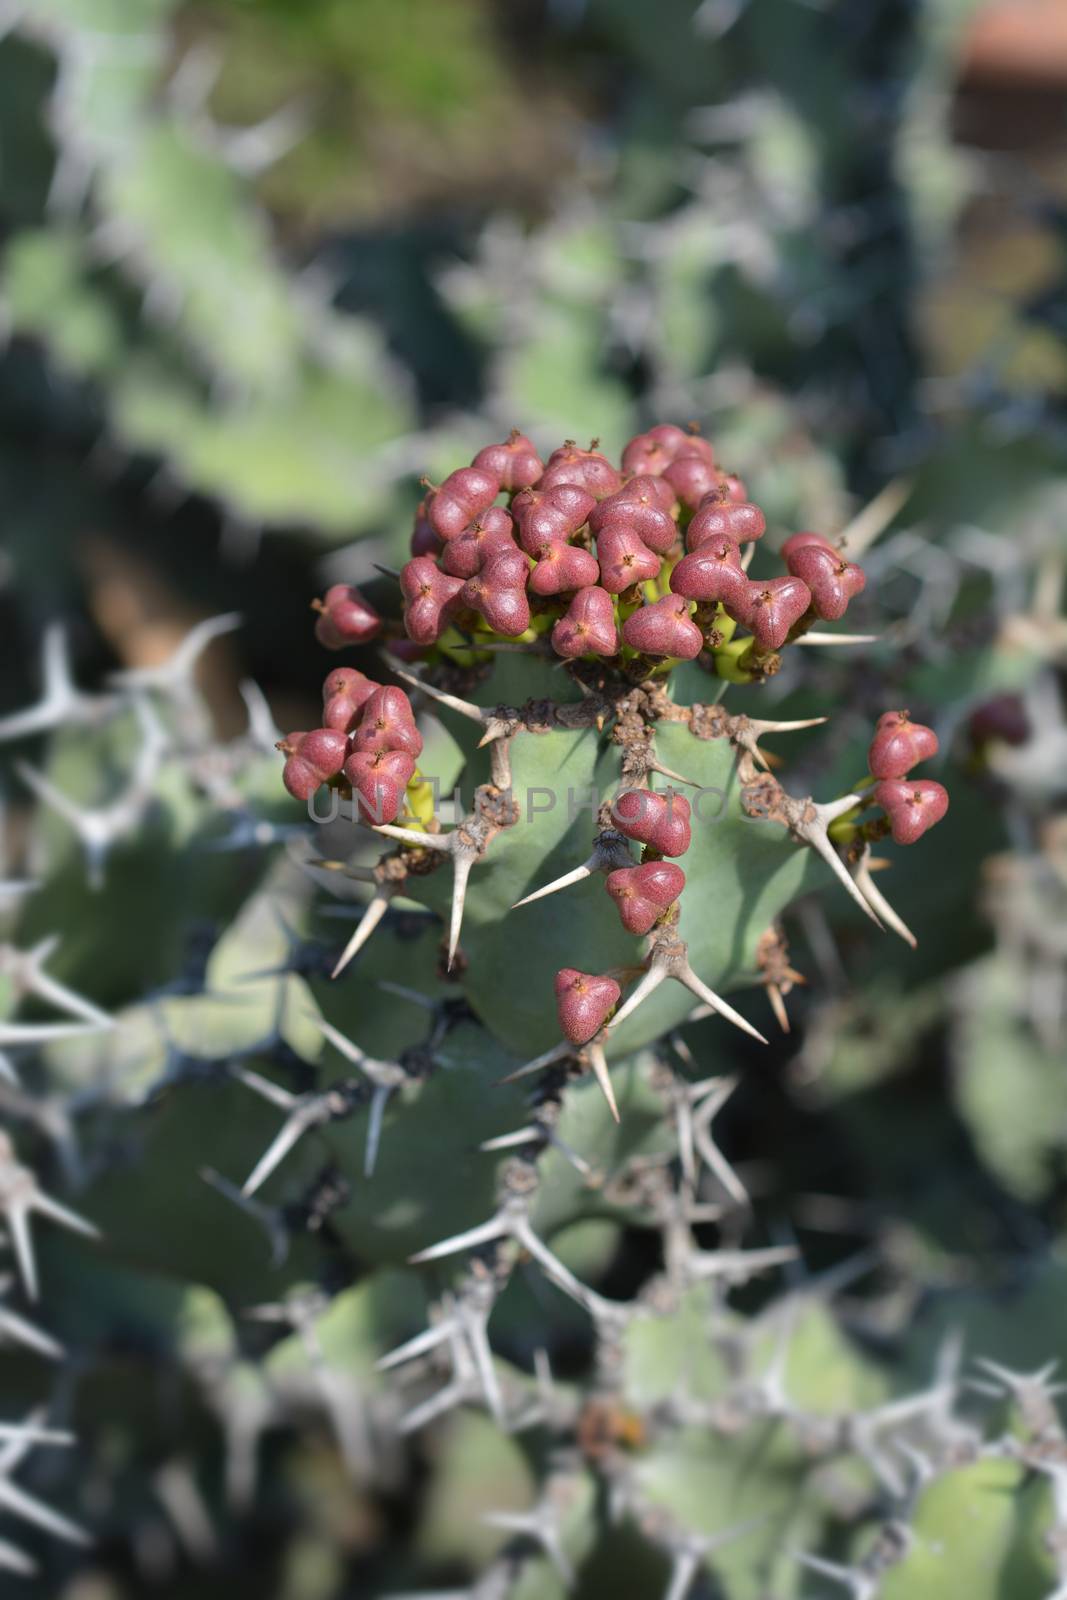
(462, 863)
(696, 986)
(536, 1526)
(474, 1326)
(177, 670)
(383, 1074)
(425, 841)
(648, 985)
(578, 1162)
(675, 777)
(374, 1128)
(860, 1584)
(404, 993)
(60, 701)
(350, 1051)
(376, 909)
(64, 1216)
(837, 638)
(508, 1141)
(684, 1569)
(877, 900)
(18, 1330)
(16, 1033)
(32, 1510)
(420, 1345)
(12, 1559)
(817, 836)
(576, 875)
(739, 1265)
(290, 1134)
(695, 1549)
(832, 809)
(465, 707)
(262, 729)
(269, 1218)
(266, 1088)
(761, 726)
(554, 1269)
(453, 1394)
(875, 517)
(683, 1118)
(17, 1219)
(32, 1434)
(599, 1064)
(26, 970)
(484, 1233)
(707, 1100)
(558, 1052)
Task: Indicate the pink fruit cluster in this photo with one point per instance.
(642, 894)
(578, 536)
(368, 737)
(911, 805)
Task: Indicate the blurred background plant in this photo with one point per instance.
(266, 262)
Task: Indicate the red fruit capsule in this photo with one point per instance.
(635, 507)
(664, 628)
(771, 608)
(587, 468)
(659, 820)
(311, 758)
(735, 488)
(804, 541)
(388, 723)
(624, 559)
(692, 477)
(899, 744)
(563, 567)
(554, 513)
(424, 542)
(587, 627)
(429, 595)
(716, 519)
(345, 618)
(833, 581)
(398, 765)
(515, 464)
(464, 495)
(1002, 717)
(406, 650)
(696, 445)
(642, 894)
(468, 552)
(713, 572)
(344, 694)
(378, 779)
(651, 490)
(655, 450)
(584, 1002)
(498, 593)
(912, 805)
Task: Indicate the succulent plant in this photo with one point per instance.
(782, 1329)
(495, 766)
